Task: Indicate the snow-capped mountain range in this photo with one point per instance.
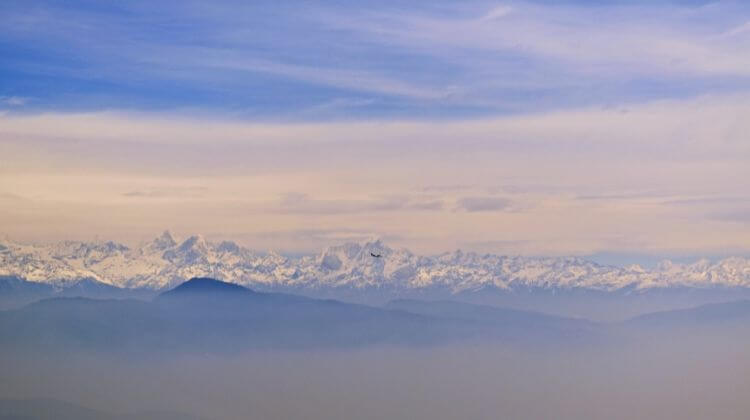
(165, 262)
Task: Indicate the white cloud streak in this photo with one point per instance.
(614, 40)
(14, 101)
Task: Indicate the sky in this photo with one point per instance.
(526, 128)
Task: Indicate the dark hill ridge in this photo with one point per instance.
(207, 292)
(208, 315)
(16, 292)
(206, 286)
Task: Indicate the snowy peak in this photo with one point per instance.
(164, 262)
(369, 252)
(195, 242)
(164, 241)
(193, 250)
(229, 247)
(368, 264)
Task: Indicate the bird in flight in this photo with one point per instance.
(376, 255)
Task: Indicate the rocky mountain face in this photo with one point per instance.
(166, 262)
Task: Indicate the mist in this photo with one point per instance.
(214, 350)
(682, 376)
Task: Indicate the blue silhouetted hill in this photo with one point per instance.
(211, 297)
(204, 286)
(16, 292)
(208, 315)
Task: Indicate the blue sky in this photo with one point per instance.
(537, 128)
(333, 60)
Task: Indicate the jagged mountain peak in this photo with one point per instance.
(165, 240)
(193, 242)
(666, 265)
(193, 250)
(351, 254)
(353, 250)
(101, 246)
(164, 262)
(636, 268)
(229, 247)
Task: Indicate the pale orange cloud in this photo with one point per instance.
(572, 182)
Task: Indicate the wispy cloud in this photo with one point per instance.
(449, 60)
(627, 196)
(11, 197)
(496, 13)
(445, 188)
(438, 122)
(739, 216)
(14, 101)
(352, 79)
(614, 38)
(304, 204)
(477, 204)
(742, 29)
(167, 192)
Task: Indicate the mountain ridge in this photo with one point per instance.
(207, 315)
(165, 262)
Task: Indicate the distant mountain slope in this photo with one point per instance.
(717, 314)
(719, 326)
(13, 286)
(205, 315)
(481, 313)
(16, 292)
(165, 262)
(512, 322)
